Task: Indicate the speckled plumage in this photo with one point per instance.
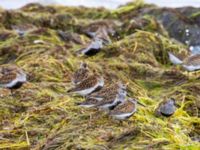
(112, 99)
(88, 85)
(81, 74)
(89, 102)
(192, 60)
(103, 93)
(107, 91)
(5, 78)
(11, 76)
(124, 110)
(191, 63)
(100, 39)
(92, 28)
(22, 29)
(91, 48)
(103, 35)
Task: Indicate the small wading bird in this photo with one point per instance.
(88, 103)
(100, 39)
(23, 29)
(70, 37)
(92, 48)
(11, 77)
(166, 108)
(124, 110)
(191, 63)
(89, 85)
(112, 100)
(109, 25)
(107, 93)
(103, 35)
(81, 74)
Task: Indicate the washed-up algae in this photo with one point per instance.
(42, 115)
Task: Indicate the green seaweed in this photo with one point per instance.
(42, 115)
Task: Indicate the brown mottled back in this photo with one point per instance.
(23, 27)
(93, 27)
(105, 91)
(102, 34)
(193, 60)
(107, 100)
(7, 78)
(87, 83)
(126, 107)
(80, 75)
(7, 74)
(108, 25)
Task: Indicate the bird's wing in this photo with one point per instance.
(7, 78)
(123, 108)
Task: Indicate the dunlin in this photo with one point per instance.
(23, 29)
(88, 103)
(89, 85)
(12, 77)
(124, 110)
(166, 108)
(80, 74)
(103, 35)
(100, 40)
(112, 100)
(92, 48)
(92, 28)
(107, 91)
(191, 63)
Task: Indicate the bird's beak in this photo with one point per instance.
(141, 104)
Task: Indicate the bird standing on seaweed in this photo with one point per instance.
(12, 77)
(166, 108)
(106, 94)
(80, 74)
(191, 63)
(124, 110)
(100, 39)
(89, 85)
(112, 100)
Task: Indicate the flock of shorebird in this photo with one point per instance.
(112, 97)
(91, 85)
(12, 77)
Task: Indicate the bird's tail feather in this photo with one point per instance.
(70, 90)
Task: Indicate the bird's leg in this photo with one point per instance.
(196, 74)
(188, 75)
(121, 123)
(11, 91)
(130, 122)
(90, 120)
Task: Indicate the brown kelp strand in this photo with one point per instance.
(131, 62)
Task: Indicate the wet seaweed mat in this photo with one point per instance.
(44, 40)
